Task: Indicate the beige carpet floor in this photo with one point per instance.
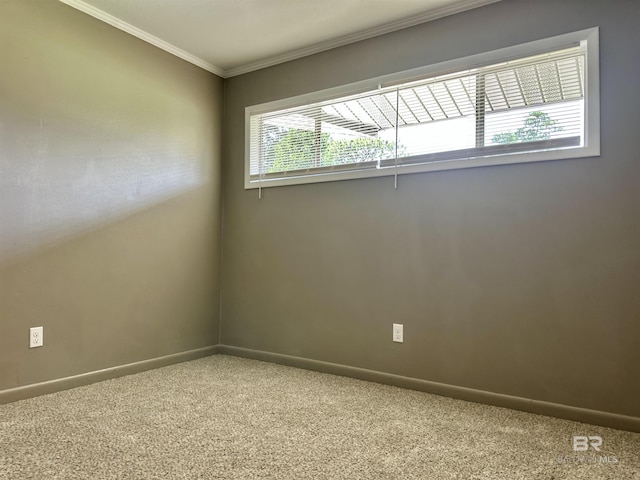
(232, 418)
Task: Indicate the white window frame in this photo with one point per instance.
(591, 134)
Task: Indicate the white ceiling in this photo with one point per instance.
(230, 37)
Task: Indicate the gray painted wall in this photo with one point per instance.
(520, 279)
(110, 154)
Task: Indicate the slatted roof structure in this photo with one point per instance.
(543, 79)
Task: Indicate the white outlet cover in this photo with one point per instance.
(398, 333)
(36, 338)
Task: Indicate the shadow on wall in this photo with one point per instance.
(58, 184)
(89, 135)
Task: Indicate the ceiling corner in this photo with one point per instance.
(142, 35)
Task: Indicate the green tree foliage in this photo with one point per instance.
(537, 126)
(362, 149)
(296, 150)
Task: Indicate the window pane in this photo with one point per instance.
(344, 148)
(471, 114)
(437, 136)
(541, 122)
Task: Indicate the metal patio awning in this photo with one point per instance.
(543, 79)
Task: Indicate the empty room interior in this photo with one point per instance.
(311, 239)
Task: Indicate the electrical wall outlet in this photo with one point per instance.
(36, 338)
(398, 332)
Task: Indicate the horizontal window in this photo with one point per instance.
(532, 102)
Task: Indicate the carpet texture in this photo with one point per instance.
(223, 417)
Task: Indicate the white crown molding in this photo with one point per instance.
(362, 35)
(285, 57)
(142, 35)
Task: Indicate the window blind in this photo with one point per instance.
(519, 105)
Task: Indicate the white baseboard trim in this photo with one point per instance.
(566, 412)
(59, 384)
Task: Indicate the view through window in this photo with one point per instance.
(513, 106)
